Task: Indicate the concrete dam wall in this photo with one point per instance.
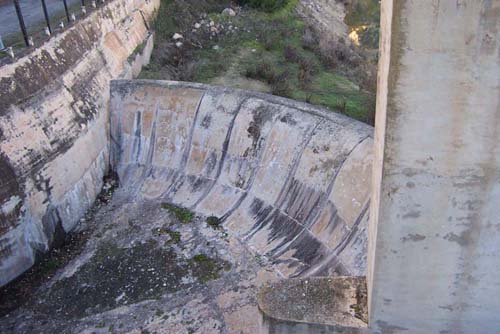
(291, 181)
(54, 140)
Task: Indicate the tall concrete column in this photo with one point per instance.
(434, 258)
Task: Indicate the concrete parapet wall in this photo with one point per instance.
(290, 180)
(54, 127)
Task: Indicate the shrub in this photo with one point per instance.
(280, 85)
(370, 37)
(310, 39)
(214, 222)
(306, 69)
(265, 5)
(337, 52)
(269, 42)
(262, 71)
(291, 54)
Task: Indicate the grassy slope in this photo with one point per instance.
(260, 43)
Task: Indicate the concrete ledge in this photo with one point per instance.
(315, 305)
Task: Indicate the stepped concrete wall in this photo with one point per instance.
(289, 180)
(54, 127)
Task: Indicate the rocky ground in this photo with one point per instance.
(148, 268)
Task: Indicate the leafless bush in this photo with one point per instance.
(310, 39)
(280, 85)
(262, 71)
(291, 54)
(306, 72)
(336, 52)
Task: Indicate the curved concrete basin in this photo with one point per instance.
(289, 180)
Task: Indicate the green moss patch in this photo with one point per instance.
(182, 214)
(214, 222)
(175, 236)
(206, 269)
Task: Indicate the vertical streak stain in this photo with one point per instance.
(225, 147)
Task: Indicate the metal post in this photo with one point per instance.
(21, 22)
(46, 13)
(66, 10)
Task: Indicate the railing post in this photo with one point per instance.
(47, 19)
(66, 10)
(21, 22)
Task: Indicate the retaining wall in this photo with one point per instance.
(54, 140)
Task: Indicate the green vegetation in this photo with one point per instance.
(165, 24)
(139, 49)
(184, 215)
(205, 268)
(283, 58)
(271, 51)
(213, 222)
(363, 12)
(265, 5)
(175, 236)
(364, 16)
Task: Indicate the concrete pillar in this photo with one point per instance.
(434, 257)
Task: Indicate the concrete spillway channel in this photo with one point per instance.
(286, 187)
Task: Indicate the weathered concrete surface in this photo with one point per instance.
(336, 304)
(145, 271)
(54, 127)
(436, 231)
(289, 180)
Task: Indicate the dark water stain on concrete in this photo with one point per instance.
(387, 328)
(261, 116)
(413, 237)
(463, 239)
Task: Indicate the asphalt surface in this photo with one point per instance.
(32, 12)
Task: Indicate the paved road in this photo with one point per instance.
(32, 12)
